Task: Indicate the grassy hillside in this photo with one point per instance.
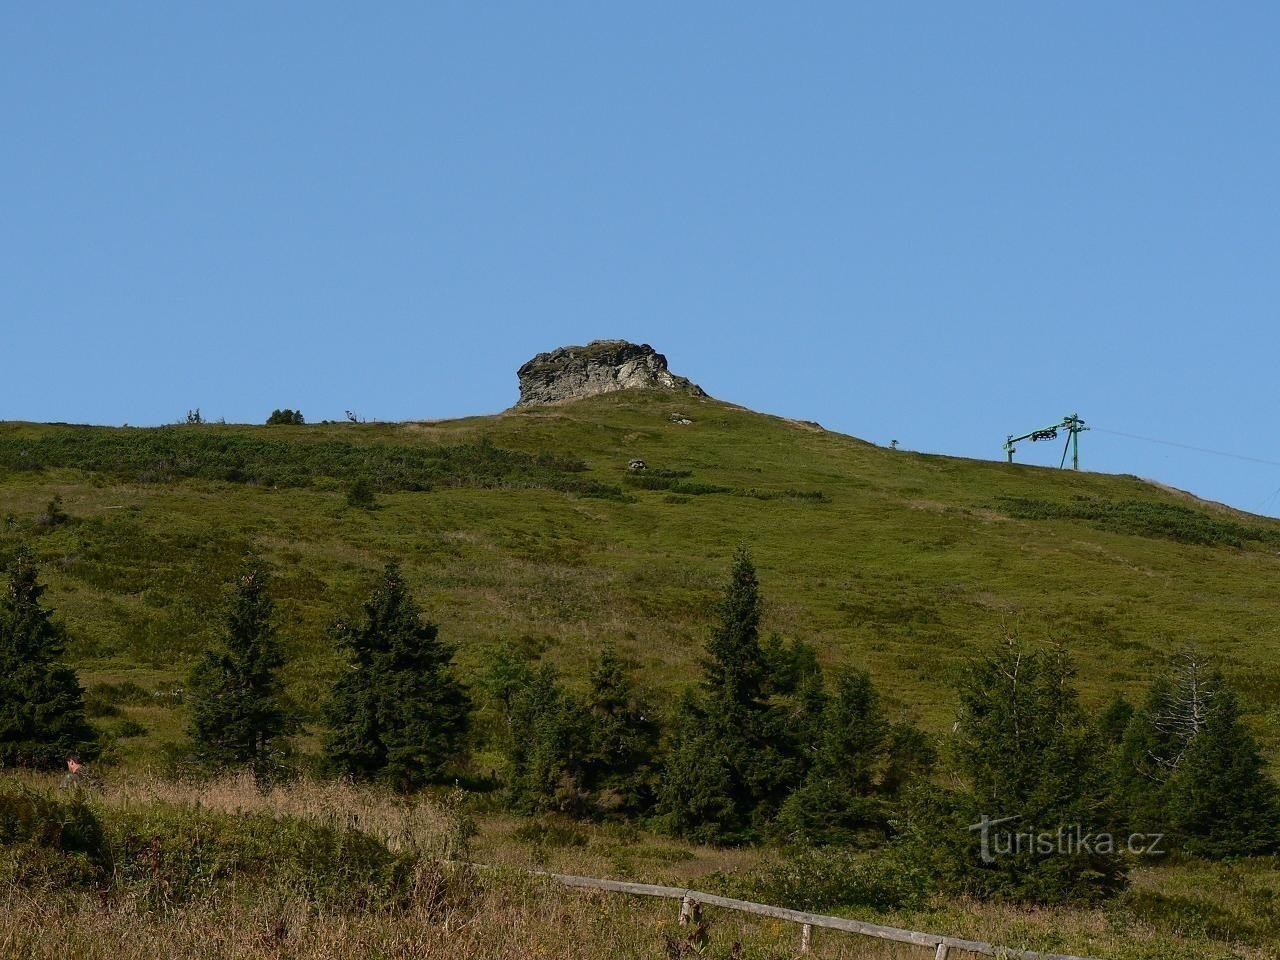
(527, 527)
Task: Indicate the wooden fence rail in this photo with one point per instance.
(692, 900)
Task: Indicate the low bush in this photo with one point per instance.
(166, 856)
(50, 840)
(165, 454)
(1142, 518)
(824, 879)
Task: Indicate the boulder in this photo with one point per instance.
(602, 366)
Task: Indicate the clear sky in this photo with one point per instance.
(932, 222)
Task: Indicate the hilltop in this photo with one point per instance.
(602, 366)
(528, 527)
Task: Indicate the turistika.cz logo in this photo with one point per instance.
(1067, 840)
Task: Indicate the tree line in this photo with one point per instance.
(768, 747)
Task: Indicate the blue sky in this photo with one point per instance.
(932, 222)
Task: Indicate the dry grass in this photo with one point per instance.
(405, 824)
(509, 920)
(1186, 912)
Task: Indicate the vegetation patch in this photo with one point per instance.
(1165, 521)
(820, 879)
(166, 454)
(677, 483)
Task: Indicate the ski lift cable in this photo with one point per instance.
(1187, 446)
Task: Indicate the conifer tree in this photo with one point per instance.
(1190, 768)
(399, 713)
(1222, 801)
(42, 716)
(859, 763)
(805, 722)
(1114, 721)
(582, 757)
(624, 736)
(239, 714)
(838, 799)
(730, 764)
(1028, 752)
(548, 748)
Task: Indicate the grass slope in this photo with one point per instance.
(526, 526)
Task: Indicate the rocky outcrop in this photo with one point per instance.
(602, 366)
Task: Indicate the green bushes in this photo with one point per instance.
(675, 482)
(165, 454)
(167, 856)
(821, 879)
(360, 495)
(1143, 518)
(286, 417)
(50, 840)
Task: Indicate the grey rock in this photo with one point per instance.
(602, 366)
(637, 465)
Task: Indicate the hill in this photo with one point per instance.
(529, 527)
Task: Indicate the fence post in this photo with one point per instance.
(943, 951)
(806, 937)
(690, 911)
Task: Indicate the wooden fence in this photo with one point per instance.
(691, 902)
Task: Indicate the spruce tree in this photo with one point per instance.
(239, 714)
(859, 762)
(623, 737)
(1221, 800)
(1188, 767)
(398, 714)
(42, 716)
(587, 757)
(1113, 722)
(730, 764)
(548, 748)
(1028, 751)
(839, 798)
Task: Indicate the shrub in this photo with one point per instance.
(50, 840)
(167, 856)
(164, 454)
(1168, 521)
(286, 417)
(54, 515)
(360, 495)
(825, 879)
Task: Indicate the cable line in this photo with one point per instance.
(1187, 446)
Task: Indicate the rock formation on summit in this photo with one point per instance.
(602, 366)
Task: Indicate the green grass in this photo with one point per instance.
(528, 525)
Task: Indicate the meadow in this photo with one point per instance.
(527, 530)
(321, 869)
